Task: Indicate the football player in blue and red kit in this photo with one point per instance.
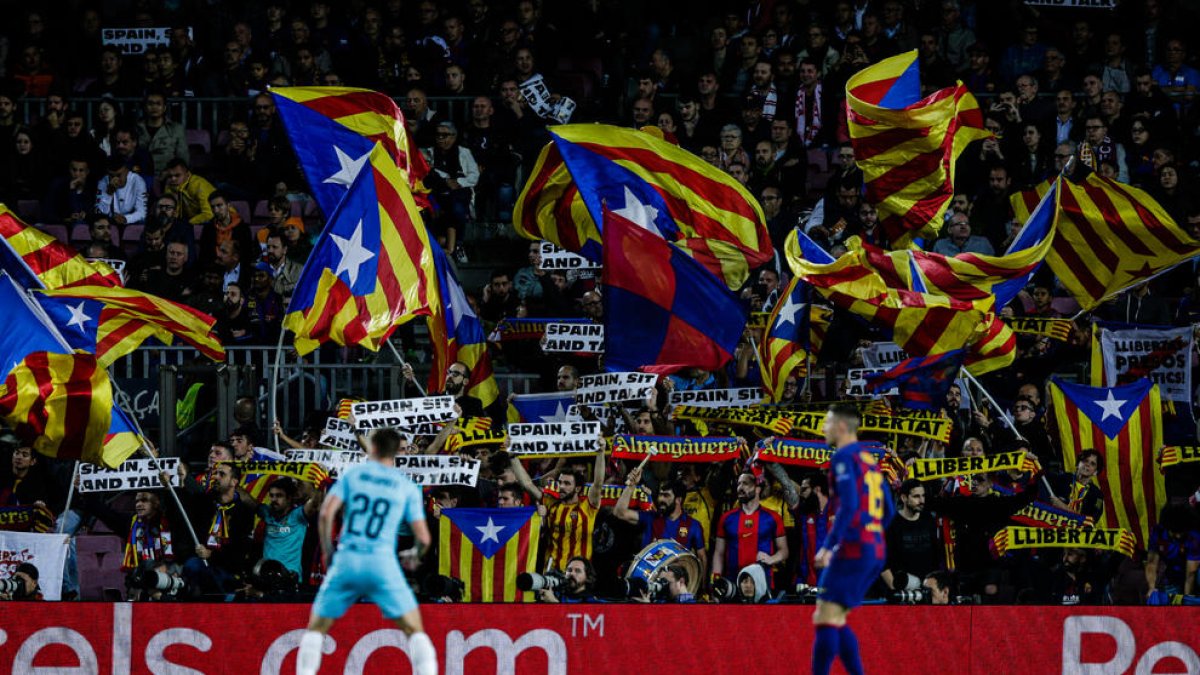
(853, 554)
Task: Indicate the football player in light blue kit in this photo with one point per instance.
(375, 499)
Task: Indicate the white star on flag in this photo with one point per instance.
(787, 313)
(642, 215)
(349, 168)
(557, 415)
(354, 254)
(490, 531)
(78, 317)
(1111, 407)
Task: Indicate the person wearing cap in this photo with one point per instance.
(748, 533)
(453, 176)
(26, 573)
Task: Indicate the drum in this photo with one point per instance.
(652, 560)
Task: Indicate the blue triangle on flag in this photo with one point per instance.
(550, 407)
(489, 529)
(1109, 408)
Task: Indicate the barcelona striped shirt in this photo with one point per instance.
(571, 528)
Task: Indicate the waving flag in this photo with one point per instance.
(487, 548)
(457, 335)
(1124, 424)
(923, 381)
(35, 259)
(1110, 237)
(112, 322)
(646, 180)
(55, 400)
(907, 146)
(333, 131)
(795, 330)
(923, 324)
(372, 268)
(662, 310)
(551, 407)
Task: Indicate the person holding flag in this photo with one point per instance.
(853, 554)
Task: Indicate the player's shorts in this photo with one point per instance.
(846, 581)
(354, 576)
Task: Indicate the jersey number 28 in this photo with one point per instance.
(375, 510)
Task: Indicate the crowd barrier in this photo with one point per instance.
(597, 639)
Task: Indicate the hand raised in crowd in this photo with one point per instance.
(635, 477)
(203, 552)
(408, 372)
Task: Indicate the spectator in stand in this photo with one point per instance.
(818, 50)
(571, 519)
(954, 38)
(121, 194)
(151, 255)
(1030, 106)
(810, 106)
(111, 81)
(266, 306)
(452, 178)
(24, 480)
(72, 197)
(226, 225)
(913, 546)
(235, 323)
(100, 238)
(174, 280)
(163, 138)
(286, 523)
(667, 521)
(491, 145)
(1099, 147)
(232, 267)
(235, 164)
(1175, 543)
(191, 190)
(748, 534)
(227, 515)
(285, 273)
(102, 133)
(1025, 56)
(1175, 77)
(126, 147)
(35, 75)
(1077, 492)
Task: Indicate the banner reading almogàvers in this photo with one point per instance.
(133, 474)
(614, 388)
(554, 439)
(1178, 454)
(678, 448)
(403, 413)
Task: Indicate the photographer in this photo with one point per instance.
(578, 585)
(941, 587)
(22, 585)
(912, 540)
(675, 580)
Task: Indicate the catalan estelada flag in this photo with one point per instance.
(371, 270)
(662, 310)
(551, 407)
(333, 131)
(62, 404)
(644, 179)
(795, 330)
(456, 334)
(1110, 237)
(112, 322)
(923, 324)
(35, 259)
(907, 146)
(1124, 424)
(923, 381)
(486, 549)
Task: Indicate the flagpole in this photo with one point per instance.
(62, 523)
(271, 406)
(1003, 415)
(403, 364)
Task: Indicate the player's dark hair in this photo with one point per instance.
(847, 413)
(386, 442)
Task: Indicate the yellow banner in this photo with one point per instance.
(475, 436)
(678, 448)
(1178, 454)
(772, 420)
(1018, 537)
(944, 467)
(310, 472)
(1055, 329)
(922, 424)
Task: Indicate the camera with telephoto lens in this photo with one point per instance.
(635, 587)
(440, 586)
(273, 577)
(916, 596)
(532, 581)
(147, 578)
(805, 594)
(724, 590)
(13, 587)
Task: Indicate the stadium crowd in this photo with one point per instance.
(756, 88)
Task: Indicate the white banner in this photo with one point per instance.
(403, 413)
(430, 470)
(46, 552)
(133, 474)
(334, 460)
(555, 258)
(882, 355)
(614, 387)
(609, 416)
(1093, 4)
(1161, 354)
(554, 438)
(741, 397)
(856, 386)
(574, 337)
(339, 434)
(136, 40)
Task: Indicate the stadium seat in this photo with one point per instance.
(260, 211)
(818, 159)
(199, 138)
(99, 562)
(59, 232)
(243, 209)
(132, 233)
(29, 210)
(79, 233)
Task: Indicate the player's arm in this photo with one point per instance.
(846, 484)
(325, 523)
(421, 533)
(622, 510)
(594, 492)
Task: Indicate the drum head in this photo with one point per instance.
(650, 562)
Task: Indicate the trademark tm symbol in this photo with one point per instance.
(588, 626)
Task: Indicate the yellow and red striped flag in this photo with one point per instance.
(35, 259)
(456, 334)
(794, 334)
(907, 146)
(61, 405)
(112, 322)
(486, 549)
(371, 270)
(1123, 424)
(646, 180)
(1110, 236)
